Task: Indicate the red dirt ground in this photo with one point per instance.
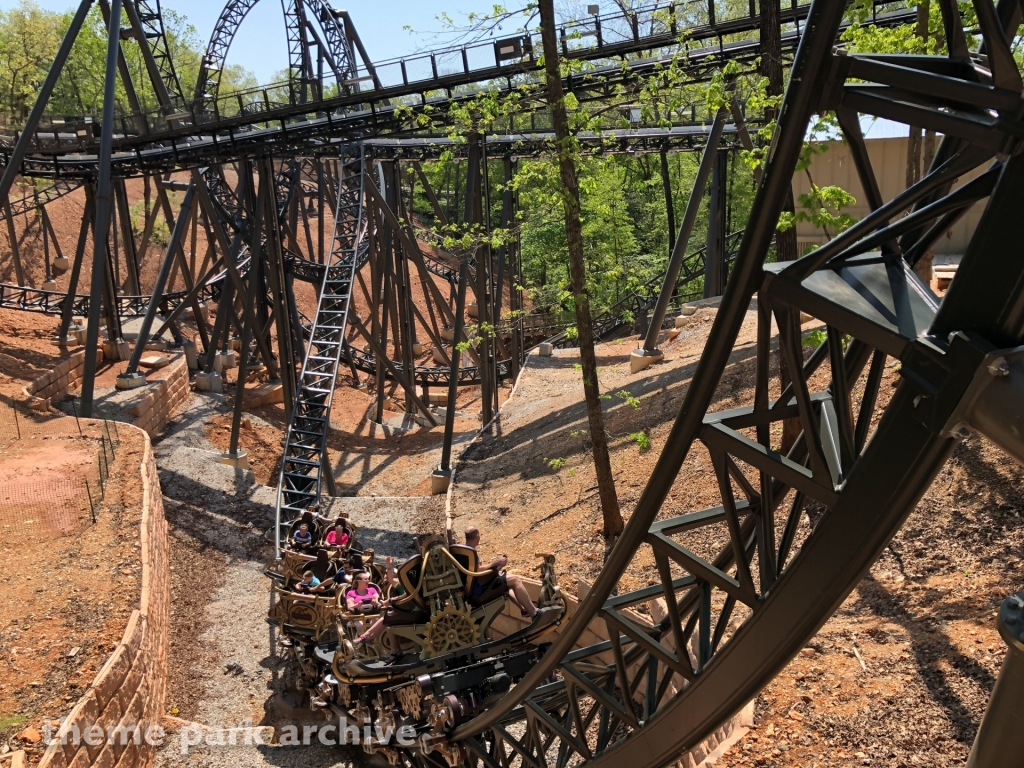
(66, 598)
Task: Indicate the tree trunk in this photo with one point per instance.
(577, 270)
(913, 157)
(914, 146)
(785, 242)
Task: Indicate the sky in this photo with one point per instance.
(261, 45)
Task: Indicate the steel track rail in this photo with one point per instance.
(305, 447)
(295, 129)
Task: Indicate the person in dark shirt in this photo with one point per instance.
(302, 539)
(487, 589)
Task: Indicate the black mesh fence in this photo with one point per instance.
(40, 500)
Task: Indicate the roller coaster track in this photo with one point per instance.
(308, 425)
(340, 56)
(152, 21)
(325, 125)
(725, 622)
(47, 194)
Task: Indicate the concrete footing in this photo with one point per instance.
(441, 413)
(440, 479)
(209, 382)
(240, 459)
(544, 349)
(224, 360)
(439, 358)
(439, 397)
(642, 358)
(49, 285)
(61, 264)
(448, 334)
(681, 321)
(422, 420)
(117, 350)
(263, 394)
(191, 355)
(157, 345)
(130, 380)
(417, 348)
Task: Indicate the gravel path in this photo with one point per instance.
(227, 669)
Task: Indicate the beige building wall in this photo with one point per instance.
(889, 157)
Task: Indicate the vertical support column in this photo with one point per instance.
(276, 278)
(131, 378)
(405, 335)
(998, 739)
(234, 456)
(515, 295)
(41, 218)
(126, 79)
(322, 218)
(441, 477)
(483, 279)
(683, 239)
(76, 266)
(666, 183)
(19, 272)
(128, 238)
(714, 262)
(103, 206)
(384, 253)
(504, 251)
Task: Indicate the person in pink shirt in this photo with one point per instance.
(363, 597)
(338, 536)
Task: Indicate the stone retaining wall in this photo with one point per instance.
(167, 390)
(130, 689)
(57, 382)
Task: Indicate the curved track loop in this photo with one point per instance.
(340, 54)
(733, 620)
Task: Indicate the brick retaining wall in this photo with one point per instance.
(166, 391)
(57, 382)
(130, 689)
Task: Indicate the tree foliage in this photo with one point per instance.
(30, 36)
